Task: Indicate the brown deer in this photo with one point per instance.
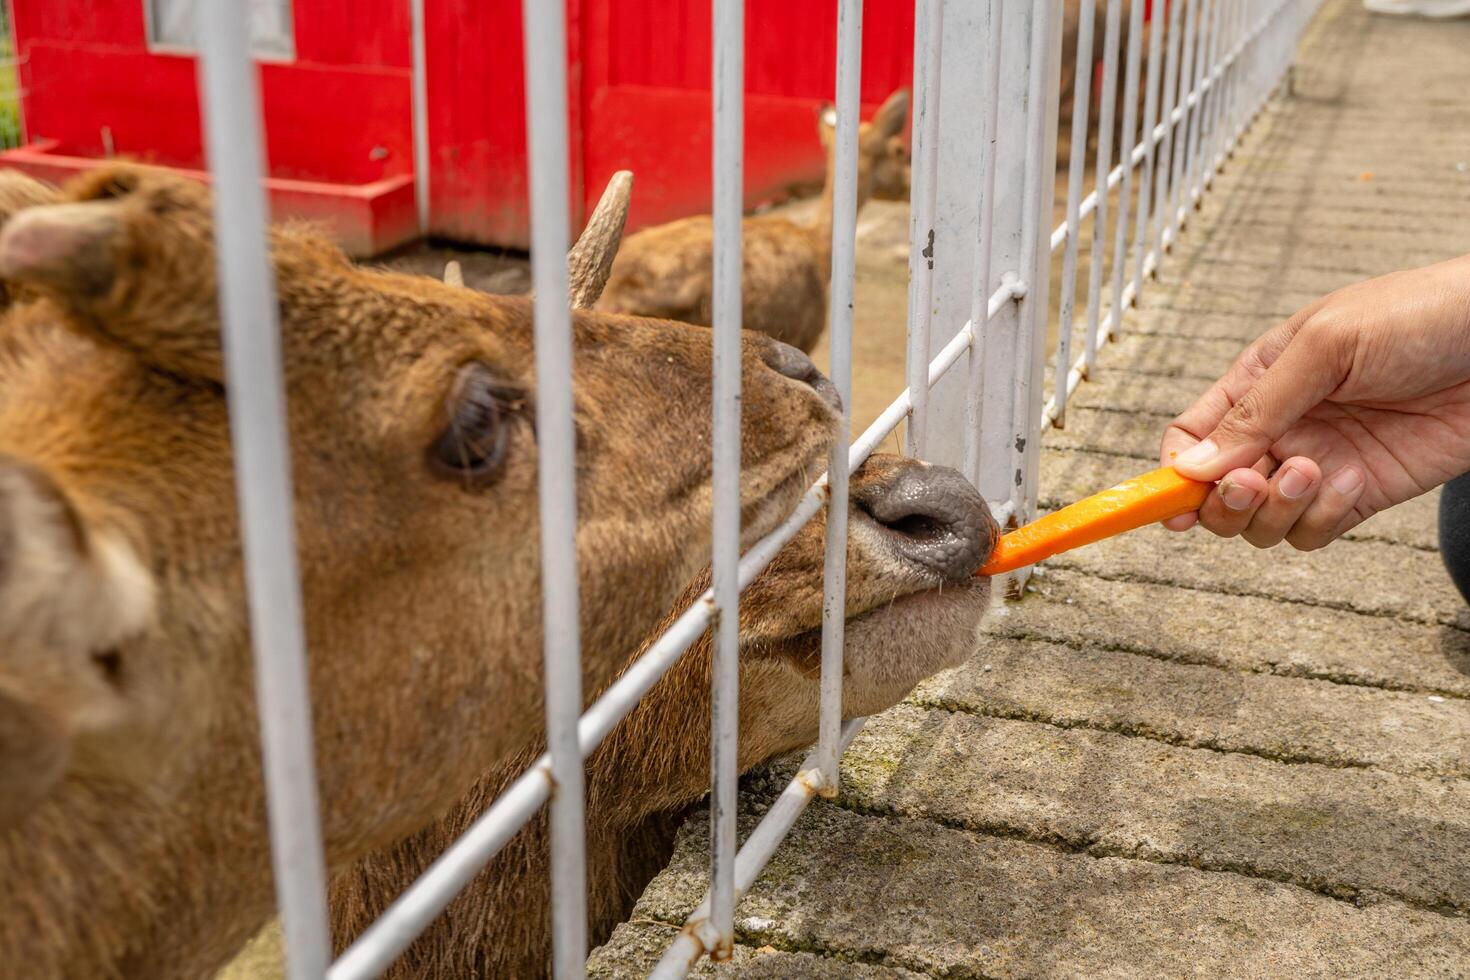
(667, 271)
(917, 534)
(132, 837)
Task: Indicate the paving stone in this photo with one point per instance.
(1341, 833)
(1203, 359)
(952, 903)
(1239, 633)
(1119, 390)
(1367, 576)
(635, 947)
(1289, 719)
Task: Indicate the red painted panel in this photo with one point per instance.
(321, 123)
(353, 32)
(108, 22)
(638, 73)
(647, 104)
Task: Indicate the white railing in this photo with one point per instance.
(984, 142)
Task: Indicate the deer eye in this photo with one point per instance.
(472, 447)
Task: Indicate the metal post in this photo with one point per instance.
(1125, 158)
(546, 113)
(1166, 143)
(981, 280)
(1081, 95)
(257, 403)
(729, 130)
(839, 324)
(1103, 169)
(1187, 76)
(1033, 308)
(1208, 42)
(923, 188)
(420, 94)
(1150, 143)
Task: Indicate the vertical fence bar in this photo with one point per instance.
(420, 83)
(980, 283)
(1220, 111)
(1081, 95)
(257, 405)
(1240, 24)
(1125, 156)
(1103, 168)
(729, 168)
(1205, 65)
(546, 118)
(923, 191)
(839, 320)
(1166, 144)
(1180, 181)
(1209, 41)
(1150, 145)
(1043, 82)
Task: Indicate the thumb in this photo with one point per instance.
(1308, 370)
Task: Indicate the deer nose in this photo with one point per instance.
(934, 518)
(792, 363)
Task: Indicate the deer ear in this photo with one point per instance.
(130, 251)
(71, 596)
(68, 248)
(889, 120)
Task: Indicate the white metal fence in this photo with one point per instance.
(986, 84)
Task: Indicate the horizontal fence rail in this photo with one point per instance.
(1205, 70)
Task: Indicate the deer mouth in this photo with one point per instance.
(924, 524)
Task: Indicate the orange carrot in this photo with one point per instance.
(1145, 499)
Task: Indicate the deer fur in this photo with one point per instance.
(903, 624)
(667, 271)
(132, 833)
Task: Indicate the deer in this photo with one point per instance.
(914, 607)
(667, 271)
(132, 830)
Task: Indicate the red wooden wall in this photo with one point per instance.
(639, 77)
(87, 65)
(338, 115)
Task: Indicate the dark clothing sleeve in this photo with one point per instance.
(1454, 531)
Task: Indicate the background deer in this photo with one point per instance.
(132, 838)
(667, 271)
(917, 534)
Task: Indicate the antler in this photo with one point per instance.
(590, 260)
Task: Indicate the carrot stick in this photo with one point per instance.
(1145, 499)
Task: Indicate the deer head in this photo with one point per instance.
(126, 700)
(882, 157)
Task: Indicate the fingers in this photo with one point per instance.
(1292, 491)
(1295, 504)
(1229, 509)
(1332, 512)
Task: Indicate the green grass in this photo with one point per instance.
(10, 134)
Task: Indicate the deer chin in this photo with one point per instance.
(890, 648)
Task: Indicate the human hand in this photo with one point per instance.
(1358, 402)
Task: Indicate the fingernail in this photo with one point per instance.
(1236, 497)
(1199, 454)
(1346, 480)
(1293, 483)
